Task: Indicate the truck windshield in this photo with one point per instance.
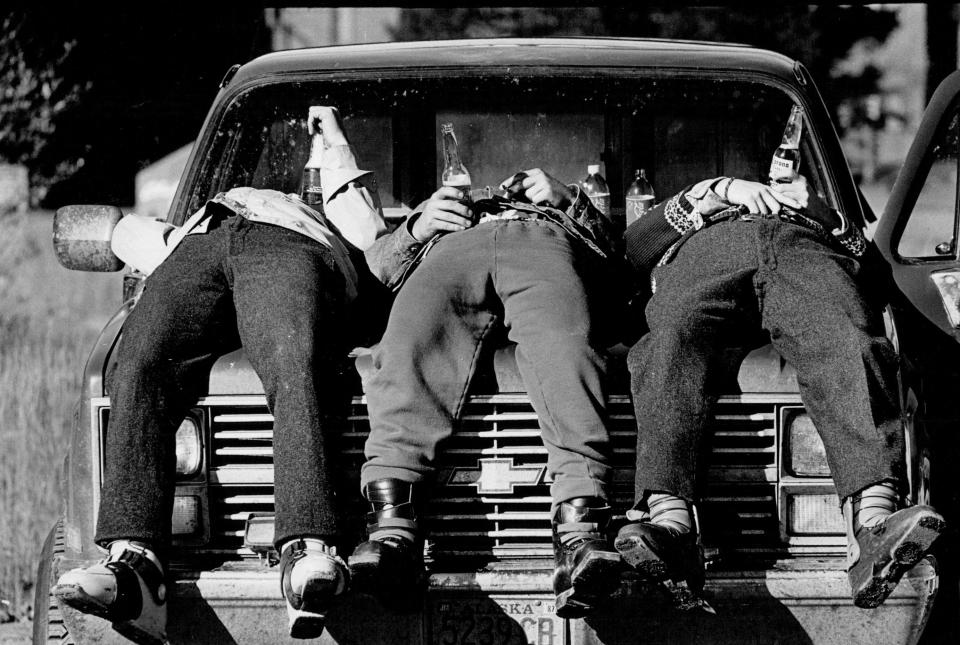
(678, 130)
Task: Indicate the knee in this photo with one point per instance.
(681, 321)
(289, 355)
(138, 359)
(566, 345)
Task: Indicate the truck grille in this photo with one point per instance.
(492, 492)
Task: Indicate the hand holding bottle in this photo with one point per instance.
(444, 212)
(761, 198)
(813, 206)
(327, 119)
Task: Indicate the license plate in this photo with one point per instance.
(495, 620)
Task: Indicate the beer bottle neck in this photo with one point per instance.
(316, 151)
(451, 152)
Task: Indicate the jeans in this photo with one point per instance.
(279, 295)
(727, 284)
(548, 292)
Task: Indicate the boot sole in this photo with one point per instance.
(365, 574)
(594, 579)
(396, 590)
(903, 557)
(310, 620)
(683, 593)
(642, 558)
(305, 624)
(75, 597)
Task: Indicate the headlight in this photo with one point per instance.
(814, 515)
(807, 455)
(189, 448)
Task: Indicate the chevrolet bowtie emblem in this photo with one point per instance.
(498, 475)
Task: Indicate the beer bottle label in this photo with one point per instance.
(781, 168)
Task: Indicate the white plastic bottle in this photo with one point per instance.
(639, 197)
(595, 186)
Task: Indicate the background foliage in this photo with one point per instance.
(818, 36)
(34, 95)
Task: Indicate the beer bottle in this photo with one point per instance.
(785, 164)
(311, 191)
(639, 198)
(454, 172)
(595, 186)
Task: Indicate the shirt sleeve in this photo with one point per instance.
(141, 242)
(350, 198)
(144, 242)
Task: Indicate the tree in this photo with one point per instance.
(817, 35)
(33, 98)
(941, 44)
(498, 22)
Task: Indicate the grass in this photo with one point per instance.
(49, 319)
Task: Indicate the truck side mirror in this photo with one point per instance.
(81, 237)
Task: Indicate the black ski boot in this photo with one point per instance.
(659, 555)
(587, 569)
(389, 566)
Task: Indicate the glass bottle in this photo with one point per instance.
(785, 164)
(595, 186)
(639, 197)
(311, 191)
(454, 172)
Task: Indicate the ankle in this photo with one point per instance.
(117, 547)
(385, 535)
(670, 512)
(309, 544)
(873, 505)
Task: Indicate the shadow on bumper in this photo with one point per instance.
(799, 606)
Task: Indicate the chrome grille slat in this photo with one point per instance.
(469, 523)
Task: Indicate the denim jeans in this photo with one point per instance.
(279, 295)
(549, 293)
(736, 285)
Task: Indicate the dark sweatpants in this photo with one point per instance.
(280, 295)
(550, 292)
(725, 284)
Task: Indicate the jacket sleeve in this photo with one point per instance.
(391, 256)
(600, 227)
(649, 238)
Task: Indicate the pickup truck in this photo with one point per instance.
(683, 111)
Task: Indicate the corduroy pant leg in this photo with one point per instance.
(819, 319)
(291, 307)
(183, 321)
(700, 319)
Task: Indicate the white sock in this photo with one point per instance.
(670, 512)
(873, 504)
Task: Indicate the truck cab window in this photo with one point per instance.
(931, 231)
